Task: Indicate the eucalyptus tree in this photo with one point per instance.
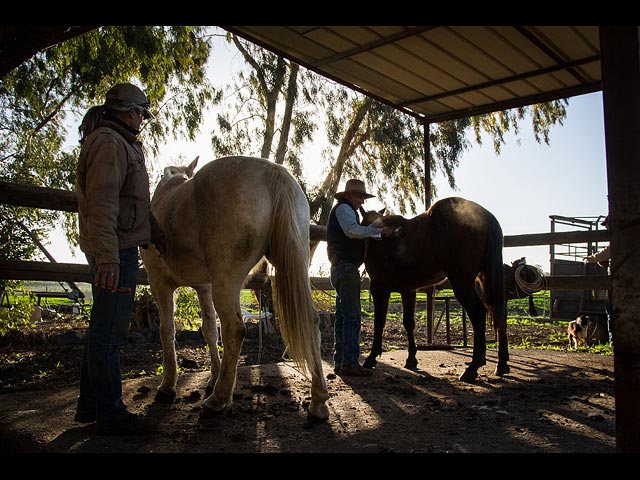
(39, 99)
(267, 111)
(364, 138)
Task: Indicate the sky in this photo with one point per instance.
(522, 186)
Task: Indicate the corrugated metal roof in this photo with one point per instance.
(440, 73)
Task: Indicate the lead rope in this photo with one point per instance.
(536, 285)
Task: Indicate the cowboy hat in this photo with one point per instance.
(125, 96)
(353, 185)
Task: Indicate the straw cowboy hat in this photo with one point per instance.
(124, 96)
(353, 185)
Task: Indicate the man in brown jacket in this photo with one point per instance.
(114, 220)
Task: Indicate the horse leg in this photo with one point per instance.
(409, 322)
(210, 333)
(465, 294)
(163, 295)
(502, 368)
(532, 307)
(380, 295)
(227, 302)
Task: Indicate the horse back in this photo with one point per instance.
(226, 212)
(452, 238)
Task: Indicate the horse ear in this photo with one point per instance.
(381, 212)
(192, 167)
(362, 211)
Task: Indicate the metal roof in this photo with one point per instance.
(438, 73)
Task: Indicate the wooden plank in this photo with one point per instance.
(46, 198)
(38, 197)
(75, 272)
(533, 239)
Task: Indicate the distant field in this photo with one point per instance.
(326, 300)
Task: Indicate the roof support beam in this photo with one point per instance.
(621, 102)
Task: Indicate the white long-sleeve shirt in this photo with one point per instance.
(348, 220)
(601, 256)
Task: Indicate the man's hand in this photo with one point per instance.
(386, 232)
(107, 276)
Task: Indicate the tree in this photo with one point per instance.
(252, 118)
(365, 138)
(39, 96)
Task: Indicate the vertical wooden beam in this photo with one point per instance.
(620, 63)
(427, 164)
(430, 306)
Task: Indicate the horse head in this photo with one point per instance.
(183, 173)
(372, 217)
(377, 219)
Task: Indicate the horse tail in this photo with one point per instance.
(493, 270)
(289, 253)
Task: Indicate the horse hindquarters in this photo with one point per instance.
(380, 295)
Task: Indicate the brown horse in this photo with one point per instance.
(455, 239)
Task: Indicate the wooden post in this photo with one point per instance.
(620, 63)
(430, 314)
(430, 306)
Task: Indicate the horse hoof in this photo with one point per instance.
(411, 364)
(469, 376)
(502, 370)
(208, 414)
(165, 397)
(314, 419)
(370, 362)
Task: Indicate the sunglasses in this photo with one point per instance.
(140, 112)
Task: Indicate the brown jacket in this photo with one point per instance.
(114, 203)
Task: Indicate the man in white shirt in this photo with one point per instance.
(345, 248)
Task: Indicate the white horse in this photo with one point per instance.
(217, 225)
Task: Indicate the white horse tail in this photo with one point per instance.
(289, 253)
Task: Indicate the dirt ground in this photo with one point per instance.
(553, 401)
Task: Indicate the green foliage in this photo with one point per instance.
(524, 343)
(269, 110)
(18, 315)
(187, 309)
(602, 349)
(38, 97)
(324, 301)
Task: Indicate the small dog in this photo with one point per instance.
(577, 331)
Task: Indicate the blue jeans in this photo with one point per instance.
(345, 278)
(100, 380)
